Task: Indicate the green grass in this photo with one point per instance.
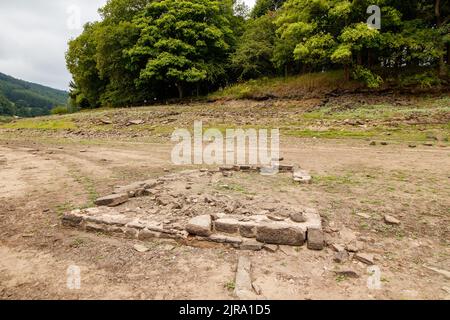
(5, 119)
(283, 87)
(88, 185)
(230, 286)
(41, 124)
(62, 208)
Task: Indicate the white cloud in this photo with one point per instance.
(34, 36)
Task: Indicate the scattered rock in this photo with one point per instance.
(270, 247)
(132, 190)
(257, 289)
(227, 174)
(298, 217)
(337, 247)
(363, 215)
(347, 273)
(106, 121)
(341, 256)
(445, 273)
(140, 248)
(275, 218)
(285, 168)
(391, 220)
(135, 122)
(315, 239)
(384, 143)
(112, 200)
(200, 226)
(250, 244)
(365, 258)
(226, 168)
(164, 200)
(372, 143)
(302, 177)
(354, 246)
(412, 146)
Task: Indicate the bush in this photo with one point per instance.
(424, 80)
(60, 110)
(5, 119)
(370, 79)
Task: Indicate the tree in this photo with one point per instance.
(255, 49)
(182, 43)
(262, 7)
(82, 65)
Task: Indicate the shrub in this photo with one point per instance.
(60, 110)
(370, 79)
(424, 80)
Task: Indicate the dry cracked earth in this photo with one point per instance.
(354, 187)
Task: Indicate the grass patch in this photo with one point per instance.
(230, 286)
(41, 124)
(63, 208)
(345, 179)
(89, 187)
(234, 187)
(5, 119)
(285, 87)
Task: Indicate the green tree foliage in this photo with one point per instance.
(182, 43)
(321, 34)
(146, 50)
(254, 52)
(262, 7)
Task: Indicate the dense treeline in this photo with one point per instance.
(147, 50)
(26, 99)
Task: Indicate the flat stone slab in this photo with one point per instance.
(112, 200)
(281, 233)
(227, 225)
(243, 282)
(200, 226)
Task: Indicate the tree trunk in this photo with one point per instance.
(359, 58)
(448, 54)
(180, 90)
(437, 12)
(347, 72)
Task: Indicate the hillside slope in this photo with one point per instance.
(26, 99)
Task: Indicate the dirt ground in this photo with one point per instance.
(354, 186)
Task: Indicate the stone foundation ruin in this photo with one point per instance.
(182, 207)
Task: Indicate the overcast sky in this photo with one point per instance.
(34, 36)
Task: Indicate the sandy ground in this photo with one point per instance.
(40, 181)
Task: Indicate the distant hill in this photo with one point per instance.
(26, 99)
